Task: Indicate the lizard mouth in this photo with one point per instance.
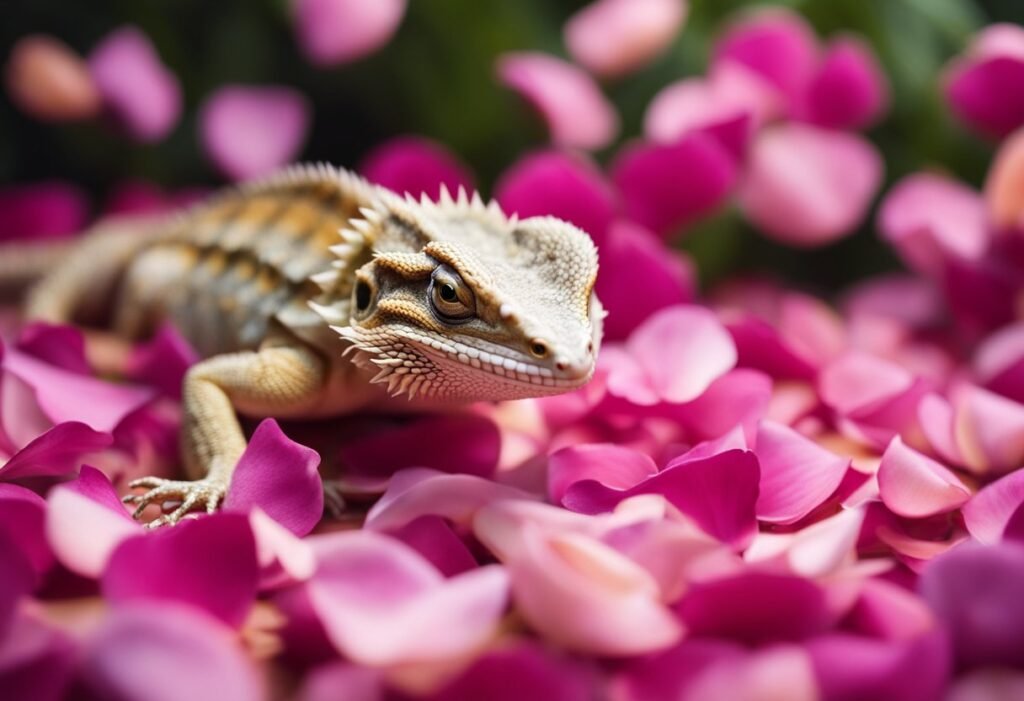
(511, 370)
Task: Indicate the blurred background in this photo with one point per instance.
(436, 78)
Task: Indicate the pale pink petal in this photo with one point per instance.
(280, 477)
(578, 469)
(578, 115)
(988, 511)
(417, 166)
(85, 522)
(1004, 184)
(826, 546)
(283, 557)
(560, 184)
(989, 430)
(332, 32)
(914, 485)
(999, 362)
(936, 418)
(666, 187)
(740, 397)
(41, 210)
(695, 104)
(987, 685)
(587, 597)
(142, 93)
(249, 131)
(930, 218)
(797, 474)
(208, 563)
(975, 591)
(46, 79)
(195, 656)
(806, 186)
(615, 37)
(850, 90)
(383, 604)
(782, 671)
(985, 87)
(908, 299)
(500, 526)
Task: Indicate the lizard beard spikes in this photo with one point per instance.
(403, 370)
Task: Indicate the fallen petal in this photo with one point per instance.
(416, 166)
(615, 37)
(42, 210)
(850, 90)
(333, 32)
(45, 78)
(914, 485)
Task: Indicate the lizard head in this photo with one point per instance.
(459, 302)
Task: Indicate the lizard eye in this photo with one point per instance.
(450, 297)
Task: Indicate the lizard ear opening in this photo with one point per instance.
(363, 294)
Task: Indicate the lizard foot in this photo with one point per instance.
(202, 493)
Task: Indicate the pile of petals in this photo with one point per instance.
(759, 495)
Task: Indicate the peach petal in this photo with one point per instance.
(1004, 185)
(615, 37)
(48, 80)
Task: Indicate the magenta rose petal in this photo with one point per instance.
(62, 346)
(139, 643)
(975, 591)
(85, 522)
(17, 579)
(615, 37)
(988, 511)
(915, 486)
(889, 611)
(611, 466)
(416, 166)
(665, 187)
(667, 676)
(56, 452)
(559, 184)
(41, 211)
(37, 662)
(162, 361)
(999, 362)
(709, 106)
(209, 563)
(435, 540)
(333, 32)
(797, 475)
(985, 87)
(806, 186)
(577, 113)
(23, 519)
(249, 131)
(850, 90)
(987, 685)
(342, 680)
(142, 93)
(279, 476)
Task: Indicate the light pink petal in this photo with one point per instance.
(806, 186)
(23, 520)
(782, 671)
(755, 608)
(989, 430)
(930, 218)
(382, 604)
(561, 184)
(697, 105)
(249, 131)
(740, 397)
(162, 361)
(850, 90)
(85, 522)
(985, 87)
(42, 210)
(196, 657)
(46, 79)
(854, 667)
(575, 472)
(282, 556)
(999, 362)
(826, 546)
(332, 32)
(975, 591)
(988, 511)
(776, 44)
(914, 485)
(423, 492)
(56, 452)
(142, 93)
(280, 477)
(585, 596)
(797, 474)
(209, 563)
(858, 381)
(417, 166)
(342, 680)
(630, 254)
(449, 443)
(666, 187)
(500, 526)
(615, 37)
(908, 299)
(578, 115)
(1004, 184)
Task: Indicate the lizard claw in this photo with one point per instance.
(201, 493)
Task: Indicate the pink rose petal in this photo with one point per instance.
(616, 37)
(37, 661)
(435, 540)
(23, 520)
(807, 186)
(989, 430)
(578, 115)
(279, 476)
(609, 466)
(249, 131)
(1004, 184)
(142, 93)
(332, 32)
(162, 361)
(58, 451)
(985, 87)
(999, 362)
(17, 579)
(666, 187)
(740, 397)
(342, 680)
(417, 166)
(889, 611)
(987, 685)
(668, 676)
(708, 106)
(41, 211)
(914, 485)
(782, 671)
(797, 475)
(283, 557)
(209, 563)
(63, 346)
(988, 511)
(850, 90)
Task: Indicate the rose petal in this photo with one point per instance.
(575, 472)
(738, 398)
(578, 115)
(342, 680)
(417, 166)
(283, 557)
(615, 37)
(886, 610)
(988, 511)
(280, 477)
(36, 661)
(23, 520)
(782, 671)
(56, 452)
(914, 485)
(1004, 184)
(435, 540)
(989, 430)
(985, 88)
(709, 106)
(17, 579)
(63, 346)
(332, 32)
(209, 563)
(807, 186)
(162, 361)
(987, 685)
(45, 78)
(849, 90)
(667, 676)
(41, 210)
(141, 92)
(249, 131)
(999, 362)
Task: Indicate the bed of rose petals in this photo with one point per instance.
(760, 495)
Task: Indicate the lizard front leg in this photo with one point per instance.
(276, 380)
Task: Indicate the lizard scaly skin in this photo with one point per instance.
(442, 302)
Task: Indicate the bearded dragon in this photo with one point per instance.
(313, 293)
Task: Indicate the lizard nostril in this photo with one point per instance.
(560, 365)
